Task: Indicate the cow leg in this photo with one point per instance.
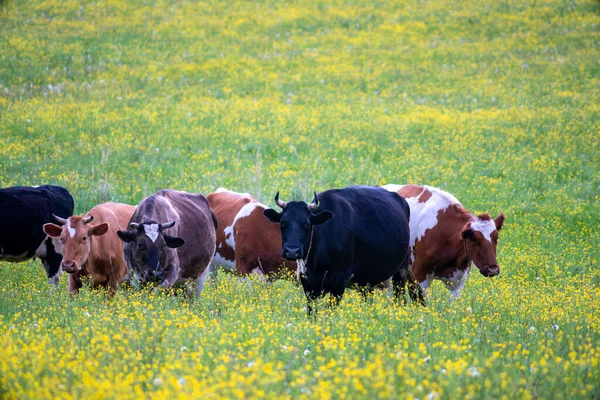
(310, 293)
(417, 293)
(74, 283)
(200, 281)
(170, 277)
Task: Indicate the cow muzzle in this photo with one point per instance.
(292, 253)
(156, 275)
(69, 266)
(490, 270)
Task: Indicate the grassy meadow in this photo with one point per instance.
(497, 102)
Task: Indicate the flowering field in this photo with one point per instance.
(497, 102)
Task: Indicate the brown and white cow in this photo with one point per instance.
(171, 240)
(93, 250)
(445, 238)
(246, 241)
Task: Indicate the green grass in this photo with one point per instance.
(496, 102)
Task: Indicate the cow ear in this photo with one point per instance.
(173, 242)
(272, 215)
(99, 229)
(499, 221)
(321, 218)
(468, 234)
(126, 236)
(52, 230)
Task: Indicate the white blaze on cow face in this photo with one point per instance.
(486, 227)
(151, 231)
(424, 215)
(72, 231)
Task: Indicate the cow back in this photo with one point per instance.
(369, 233)
(23, 212)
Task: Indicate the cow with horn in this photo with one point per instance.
(93, 251)
(358, 234)
(171, 240)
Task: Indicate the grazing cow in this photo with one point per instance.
(246, 241)
(182, 255)
(358, 234)
(445, 238)
(23, 212)
(93, 250)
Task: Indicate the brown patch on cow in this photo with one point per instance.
(407, 191)
(484, 217)
(226, 205)
(258, 245)
(425, 196)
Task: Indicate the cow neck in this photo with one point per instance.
(469, 259)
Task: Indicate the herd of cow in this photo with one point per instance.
(408, 235)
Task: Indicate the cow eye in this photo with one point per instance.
(141, 246)
(84, 238)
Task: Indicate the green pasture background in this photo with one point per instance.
(497, 102)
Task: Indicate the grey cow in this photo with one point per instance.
(171, 240)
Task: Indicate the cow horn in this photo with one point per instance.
(59, 219)
(134, 225)
(166, 225)
(315, 204)
(280, 203)
(88, 219)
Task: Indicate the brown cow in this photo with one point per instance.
(93, 250)
(246, 241)
(445, 238)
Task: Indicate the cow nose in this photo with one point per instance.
(155, 275)
(291, 252)
(69, 266)
(493, 270)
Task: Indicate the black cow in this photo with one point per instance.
(358, 234)
(23, 212)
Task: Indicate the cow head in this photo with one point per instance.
(296, 220)
(151, 249)
(480, 237)
(75, 237)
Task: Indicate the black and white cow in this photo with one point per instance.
(23, 212)
(358, 234)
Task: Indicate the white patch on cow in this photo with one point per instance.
(392, 187)
(486, 227)
(220, 245)
(223, 190)
(72, 231)
(456, 282)
(243, 213)
(42, 250)
(220, 261)
(427, 282)
(151, 231)
(424, 215)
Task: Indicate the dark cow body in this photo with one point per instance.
(171, 239)
(358, 234)
(23, 212)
